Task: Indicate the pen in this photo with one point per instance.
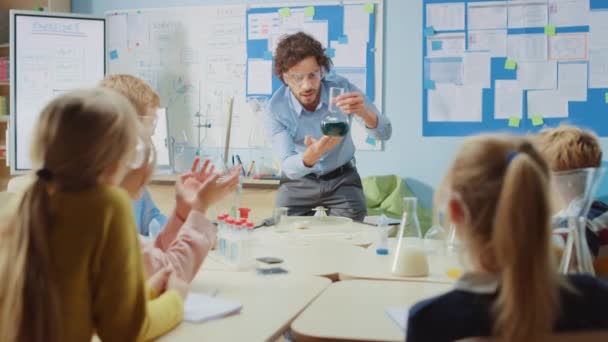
(233, 160)
(250, 168)
(238, 159)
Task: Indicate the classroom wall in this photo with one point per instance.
(407, 154)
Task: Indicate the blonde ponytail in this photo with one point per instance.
(528, 299)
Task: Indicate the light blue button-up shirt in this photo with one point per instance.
(287, 123)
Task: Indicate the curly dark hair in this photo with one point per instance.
(294, 48)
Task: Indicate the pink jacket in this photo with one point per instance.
(183, 245)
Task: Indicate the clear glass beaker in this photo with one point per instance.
(409, 259)
(335, 123)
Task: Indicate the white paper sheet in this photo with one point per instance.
(476, 69)
(487, 15)
(399, 316)
(494, 41)
(356, 22)
(117, 32)
(445, 17)
(452, 45)
(527, 47)
(568, 12)
(537, 75)
(548, 103)
(201, 308)
(598, 68)
(448, 70)
(263, 25)
(572, 81)
(318, 29)
(508, 99)
(568, 47)
(598, 49)
(259, 76)
(526, 13)
(356, 76)
(138, 31)
(453, 103)
(349, 55)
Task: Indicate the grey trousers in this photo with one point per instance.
(342, 196)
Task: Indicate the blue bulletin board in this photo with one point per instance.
(338, 27)
(514, 66)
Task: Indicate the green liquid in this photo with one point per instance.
(335, 129)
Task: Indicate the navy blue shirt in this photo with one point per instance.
(463, 313)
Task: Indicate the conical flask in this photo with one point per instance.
(409, 259)
(573, 192)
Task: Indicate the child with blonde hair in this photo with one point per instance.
(70, 263)
(498, 201)
(188, 234)
(568, 148)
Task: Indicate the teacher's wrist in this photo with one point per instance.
(370, 118)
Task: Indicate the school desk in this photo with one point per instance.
(371, 266)
(354, 310)
(270, 303)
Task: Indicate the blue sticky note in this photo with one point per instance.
(436, 45)
(330, 52)
(429, 84)
(268, 55)
(113, 54)
(343, 39)
(429, 31)
(370, 140)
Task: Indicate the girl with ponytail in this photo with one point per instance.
(498, 201)
(69, 258)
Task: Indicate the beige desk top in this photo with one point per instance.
(355, 310)
(368, 265)
(354, 233)
(324, 258)
(270, 303)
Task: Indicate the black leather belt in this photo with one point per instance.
(335, 173)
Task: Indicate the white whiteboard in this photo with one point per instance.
(51, 54)
(195, 58)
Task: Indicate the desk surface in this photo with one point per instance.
(371, 266)
(270, 303)
(355, 310)
(312, 258)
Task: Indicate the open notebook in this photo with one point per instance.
(200, 308)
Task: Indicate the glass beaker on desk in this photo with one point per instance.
(409, 259)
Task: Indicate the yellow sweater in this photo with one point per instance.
(97, 263)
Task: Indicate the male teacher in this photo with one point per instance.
(318, 170)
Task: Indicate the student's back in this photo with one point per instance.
(467, 311)
(91, 244)
(69, 257)
(496, 193)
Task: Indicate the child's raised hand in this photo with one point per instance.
(213, 190)
(187, 185)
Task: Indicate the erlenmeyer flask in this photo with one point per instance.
(574, 190)
(435, 240)
(335, 123)
(410, 259)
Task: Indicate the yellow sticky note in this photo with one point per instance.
(550, 30)
(309, 11)
(537, 120)
(514, 121)
(510, 64)
(368, 7)
(285, 12)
